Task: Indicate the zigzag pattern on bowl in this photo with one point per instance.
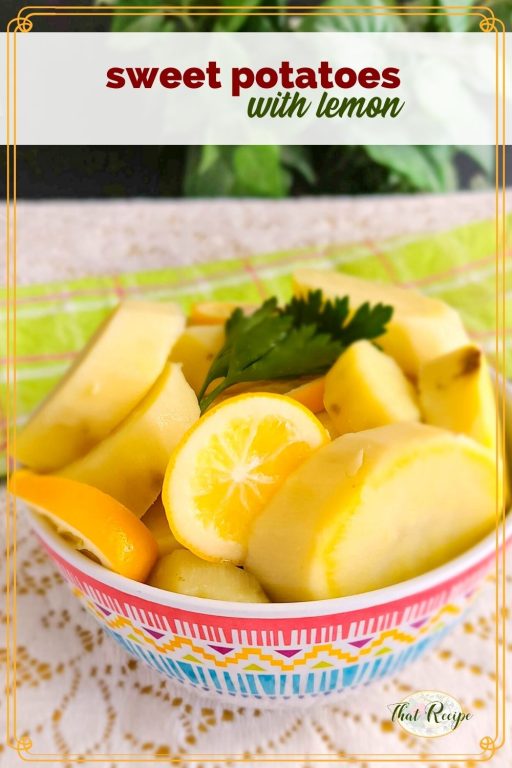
(258, 659)
(274, 686)
(275, 659)
(311, 670)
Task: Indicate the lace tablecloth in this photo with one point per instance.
(78, 692)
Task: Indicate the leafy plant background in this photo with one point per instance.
(281, 171)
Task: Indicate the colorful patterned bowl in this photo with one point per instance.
(267, 655)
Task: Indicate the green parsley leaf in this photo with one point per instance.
(367, 323)
(303, 338)
(328, 316)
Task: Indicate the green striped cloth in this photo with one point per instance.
(55, 320)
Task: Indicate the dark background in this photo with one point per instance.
(145, 171)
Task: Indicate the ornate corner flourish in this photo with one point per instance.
(490, 22)
(21, 23)
(489, 746)
(22, 746)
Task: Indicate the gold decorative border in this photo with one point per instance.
(24, 23)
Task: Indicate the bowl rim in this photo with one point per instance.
(478, 553)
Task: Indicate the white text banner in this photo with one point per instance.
(249, 88)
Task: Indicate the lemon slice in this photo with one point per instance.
(90, 520)
(228, 466)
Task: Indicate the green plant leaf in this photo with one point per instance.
(234, 23)
(369, 23)
(456, 23)
(126, 23)
(259, 172)
(142, 24)
(266, 23)
(298, 159)
(239, 171)
(423, 168)
(208, 172)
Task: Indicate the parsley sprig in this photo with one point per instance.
(303, 338)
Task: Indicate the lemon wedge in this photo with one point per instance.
(90, 521)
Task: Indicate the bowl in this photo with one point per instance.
(267, 655)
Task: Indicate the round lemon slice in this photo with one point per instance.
(228, 466)
(91, 521)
